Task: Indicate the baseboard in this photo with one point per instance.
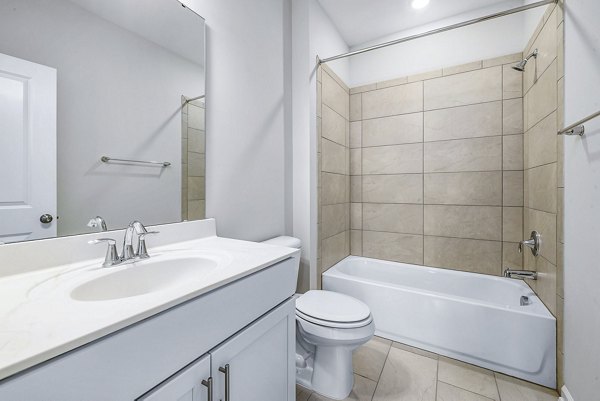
(565, 395)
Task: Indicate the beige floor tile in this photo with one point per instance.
(415, 350)
(362, 391)
(446, 392)
(512, 389)
(468, 377)
(302, 394)
(369, 359)
(407, 377)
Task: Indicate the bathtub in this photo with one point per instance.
(471, 317)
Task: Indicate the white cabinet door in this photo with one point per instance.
(191, 384)
(258, 363)
(27, 149)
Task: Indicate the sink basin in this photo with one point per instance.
(144, 277)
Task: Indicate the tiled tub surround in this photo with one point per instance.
(193, 159)
(391, 371)
(436, 164)
(333, 102)
(543, 83)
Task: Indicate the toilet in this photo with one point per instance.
(329, 327)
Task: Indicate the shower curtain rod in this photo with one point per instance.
(439, 30)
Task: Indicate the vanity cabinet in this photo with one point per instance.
(247, 325)
(253, 365)
(190, 384)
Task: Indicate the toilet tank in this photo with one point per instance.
(286, 241)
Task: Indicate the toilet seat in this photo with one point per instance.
(332, 324)
(332, 309)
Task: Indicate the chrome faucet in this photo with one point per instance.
(534, 243)
(98, 221)
(520, 274)
(128, 253)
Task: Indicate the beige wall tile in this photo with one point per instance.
(395, 159)
(401, 188)
(335, 249)
(356, 216)
(512, 83)
(512, 224)
(363, 88)
(560, 56)
(356, 107)
(547, 44)
(512, 183)
(196, 188)
(542, 142)
(356, 242)
(333, 126)
(196, 164)
(334, 96)
(509, 59)
(355, 134)
(334, 219)
(391, 101)
(476, 256)
(512, 119)
(398, 218)
(475, 65)
(546, 284)
(425, 75)
(393, 246)
(512, 152)
(475, 154)
(355, 161)
(392, 82)
(356, 189)
(196, 209)
(545, 224)
(464, 122)
(463, 89)
(196, 141)
(511, 258)
(333, 158)
(542, 99)
(327, 69)
(475, 222)
(541, 188)
(395, 130)
(333, 188)
(474, 189)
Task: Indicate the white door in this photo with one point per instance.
(258, 364)
(27, 150)
(191, 384)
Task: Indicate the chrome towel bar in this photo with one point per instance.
(106, 159)
(578, 127)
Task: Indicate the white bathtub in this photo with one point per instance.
(471, 317)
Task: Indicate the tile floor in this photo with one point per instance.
(390, 371)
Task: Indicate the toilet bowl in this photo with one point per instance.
(329, 327)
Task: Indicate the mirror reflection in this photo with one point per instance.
(102, 116)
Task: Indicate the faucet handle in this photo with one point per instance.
(112, 256)
(142, 251)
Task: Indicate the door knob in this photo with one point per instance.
(46, 218)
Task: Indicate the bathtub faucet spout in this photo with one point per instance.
(520, 274)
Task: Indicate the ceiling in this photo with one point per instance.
(361, 21)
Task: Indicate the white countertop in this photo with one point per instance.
(38, 320)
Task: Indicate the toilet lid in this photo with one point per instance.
(332, 306)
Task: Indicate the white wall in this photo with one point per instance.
(313, 35)
(582, 200)
(481, 41)
(106, 108)
(246, 116)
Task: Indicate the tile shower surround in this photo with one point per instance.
(193, 151)
(492, 168)
(436, 169)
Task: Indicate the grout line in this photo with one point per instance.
(423, 110)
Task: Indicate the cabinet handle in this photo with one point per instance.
(209, 385)
(225, 371)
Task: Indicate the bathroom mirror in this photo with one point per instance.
(102, 113)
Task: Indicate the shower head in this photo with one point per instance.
(520, 66)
